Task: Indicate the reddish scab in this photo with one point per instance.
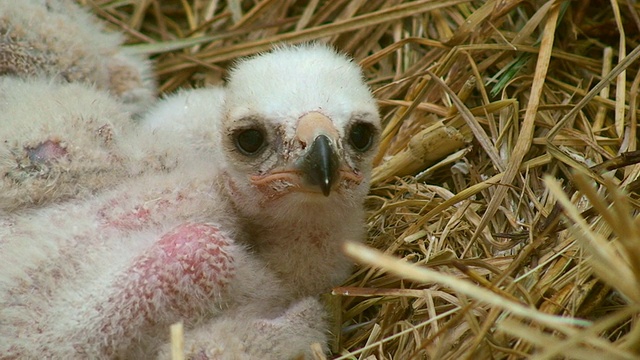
(123, 219)
(120, 215)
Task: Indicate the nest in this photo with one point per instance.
(502, 220)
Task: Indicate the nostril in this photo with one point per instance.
(46, 152)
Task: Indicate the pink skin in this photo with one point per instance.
(46, 151)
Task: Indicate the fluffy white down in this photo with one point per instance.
(190, 120)
(59, 39)
(74, 274)
(294, 80)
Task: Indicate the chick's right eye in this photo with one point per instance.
(249, 141)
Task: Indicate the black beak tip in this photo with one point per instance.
(321, 164)
(326, 187)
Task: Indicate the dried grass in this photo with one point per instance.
(505, 195)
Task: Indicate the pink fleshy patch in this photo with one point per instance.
(198, 247)
(46, 152)
(180, 277)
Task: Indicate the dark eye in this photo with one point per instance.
(361, 136)
(249, 141)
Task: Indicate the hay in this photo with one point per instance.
(507, 178)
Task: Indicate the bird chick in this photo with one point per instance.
(299, 135)
(68, 140)
(236, 240)
(58, 141)
(58, 39)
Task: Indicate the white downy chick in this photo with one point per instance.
(58, 141)
(245, 229)
(68, 140)
(300, 131)
(58, 39)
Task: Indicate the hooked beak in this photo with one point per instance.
(320, 164)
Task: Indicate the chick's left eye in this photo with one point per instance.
(361, 136)
(249, 141)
